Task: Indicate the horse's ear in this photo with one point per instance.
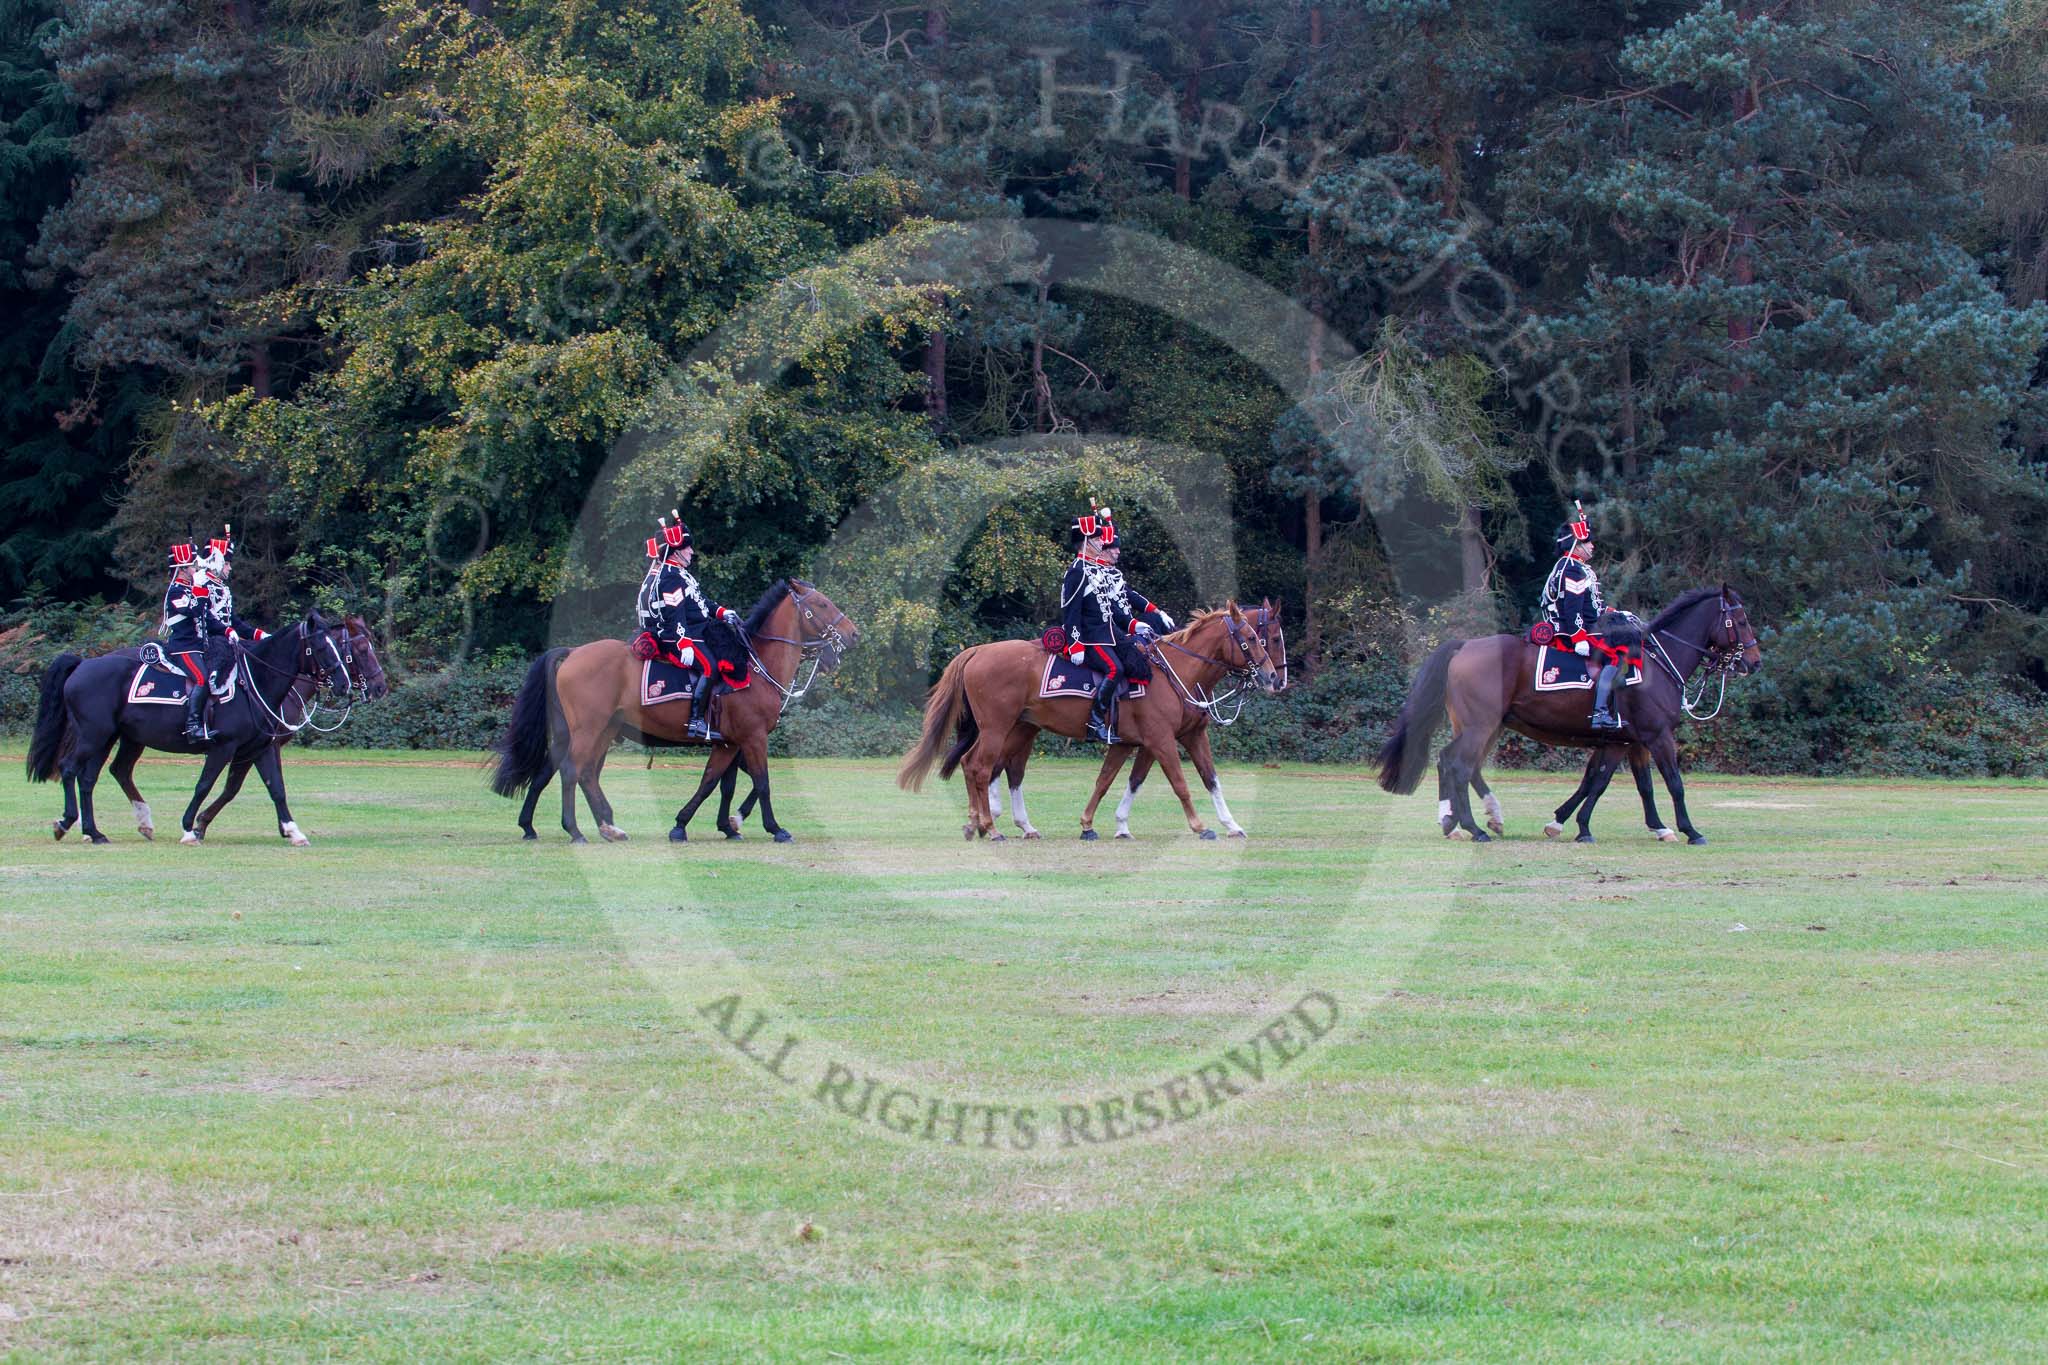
(1231, 607)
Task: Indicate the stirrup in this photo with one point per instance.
(1607, 720)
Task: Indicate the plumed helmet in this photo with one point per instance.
(1570, 533)
(219, 555)
(673, 536)
(1098, 522)
(182, 555)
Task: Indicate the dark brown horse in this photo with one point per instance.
(988, 695)
(1487, 685)
(1193, 680)
(576, 703)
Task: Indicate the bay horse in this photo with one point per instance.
(84, 712)
(1193, 682)
(576, 703)
(1488, 684)
(988, 696)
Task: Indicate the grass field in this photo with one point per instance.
(423, 1091)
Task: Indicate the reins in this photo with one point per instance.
(810, 652)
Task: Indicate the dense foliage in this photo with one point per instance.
(441, 302)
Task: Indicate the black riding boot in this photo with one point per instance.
(1603, 698)
(700, 711)
(195, 723)
(1101, 720)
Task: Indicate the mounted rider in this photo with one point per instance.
(695, 632)
(1581, 619)
(200, 627)
(1106, 622)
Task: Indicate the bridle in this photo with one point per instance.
(344, 656)
(812, 649)
(1240, 676)
(1718, 660)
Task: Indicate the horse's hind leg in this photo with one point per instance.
(1112, 764)
(1599, 772)
(1584, 789)
(123, 769)
(714, 769)
(533, 792)
(727, 785)
(1457, 767)
(1141, 766)
(216, 759)
(1495, 821)
(589, 766)
(88, 755)
(755, 756)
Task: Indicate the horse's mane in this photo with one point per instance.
(757, 615)
(1200, 615)
(1687, 600)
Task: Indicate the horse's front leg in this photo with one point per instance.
(271, 769)
(237, 774)
(714, 768)
(123, 769)
(1112, 763)
(1584, 789)
(727, 785)
(1205, 768)
(216, 759)
(1140, 769)
(1639, 765)
(755, 756)
(1165, 751)
(1664, 749)
(1599, 772)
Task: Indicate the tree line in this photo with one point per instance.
(389, 285)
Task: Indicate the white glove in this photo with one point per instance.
(1143, 632)
(688, 656)
(728, 615)
(1166, 620)
(1584, 649)
(1074, 655)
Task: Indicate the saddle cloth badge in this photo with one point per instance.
(1560, 670)
(662, 681)
(1065, 678)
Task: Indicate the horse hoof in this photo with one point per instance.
(1480, 836)
(612, 834)
(1033, 834)
(1089, 836)
(679, 835)
(97, 839)
(529, 837)
(191, 836)
(1697, 839)
(1239, 834)
(1448, 826)
(732, 834)
(998, 838)
(1497, 827)
(967, 831)
(1666, 836)
(1585, 839)
(1454, 833)
(1209, 835)
(577, 839)
(57, 828)
(148, 832)
(1552, 830)
(782, 836)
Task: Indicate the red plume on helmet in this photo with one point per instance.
(674, 536)
(182, 554)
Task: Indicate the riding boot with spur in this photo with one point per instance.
(1101, 718)
(1603, 698)
(700, 711)
(195, 723)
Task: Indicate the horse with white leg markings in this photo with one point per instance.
(1192, 661)
(1486, 685)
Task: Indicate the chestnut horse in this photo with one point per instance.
(1488, 684)
(1192, 680)
(576, 703)
(989, 692)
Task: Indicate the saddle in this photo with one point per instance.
(1558, 669)
(1065, 678)
(163, 677)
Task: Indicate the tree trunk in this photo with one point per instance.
(259, 368)
(1472, 549)
(1628, 415)
(935, 377)
(1312, 501)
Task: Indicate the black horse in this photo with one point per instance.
(1486, 685)
(84, 711)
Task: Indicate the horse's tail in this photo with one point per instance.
(941, 710)
(964, 736)
(1406, 752)
(53, 722)
(524, 751)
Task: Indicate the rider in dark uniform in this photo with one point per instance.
(200, 623)
(1105, 621)
(700, 634)
(1573, 606)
